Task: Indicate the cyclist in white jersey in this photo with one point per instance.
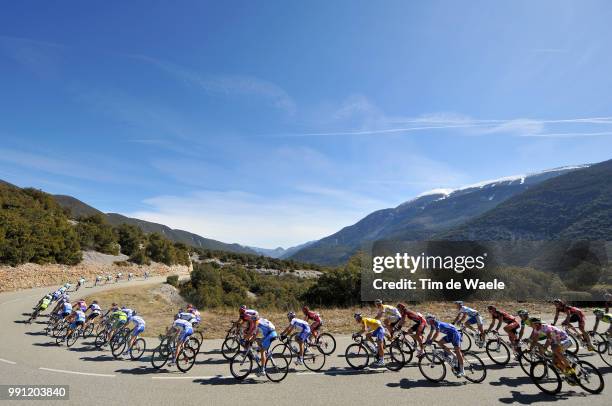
(303, 329)
(472, 316)
(139, 327)
(184, 329)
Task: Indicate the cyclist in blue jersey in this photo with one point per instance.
(451, 336)
(303, 329)
(268, 334)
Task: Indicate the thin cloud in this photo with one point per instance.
(227, 84)
(42, 58)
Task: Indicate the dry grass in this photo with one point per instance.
(158, 303)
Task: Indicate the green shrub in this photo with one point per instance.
(172, 280)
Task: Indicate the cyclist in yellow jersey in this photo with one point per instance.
(373, 329)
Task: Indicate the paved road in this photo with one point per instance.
(27, 357)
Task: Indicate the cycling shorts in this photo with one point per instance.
(379, 334)
(267, 340)
(514, 326)
(575, 318)
(564, 344)
(453, 338)
(185, 334)
(417, 327)
(92, 316)
(138, 330)
(315, 326)
(66, 314)
(476, 319)
(75, 324)
(303, 335)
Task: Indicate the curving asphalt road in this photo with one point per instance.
(29, 357)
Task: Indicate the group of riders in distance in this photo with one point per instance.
(391, 337)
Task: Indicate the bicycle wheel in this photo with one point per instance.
(466, 341)
(199, 335)
(605, 352)
(545, 377)
(186, 358)
(277, 367)
(314, 359)
(394, 357)
(138, 349)
(498, 351)
(597, 339)
(357, 356)
(574, 346)
(589, 377)
(89, 331)
(526, 359)
(230, 347)
(407, 345)
(283, 349)
(326, 343)
(475, 369)
(432, 367)
(60, 335)
(118, 343)
(194, 344)
(100, 339)
(73, 337)
(241, 365)
(160, 357)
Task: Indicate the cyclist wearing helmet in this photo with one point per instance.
(512, 324)
(268, 334)
(451, 336)
(139, 327)
(373, 328)
(605, 317)
(573, 315)
(196, 314)
(184, 330)
(76, 319)
(526, 322)
(247, 316)
(316, 320)
(416, 331)
(303, 333)
(557, 339)
(473, 317)
(388, 314)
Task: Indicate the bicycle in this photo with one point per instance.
(406, 342)
(241, 364)
(437, 358)
(549, 379)
(167, 349)
(70, 337)
(135, 350)
(358, 354)
(325, 341)
(604, 349)
(314, 358)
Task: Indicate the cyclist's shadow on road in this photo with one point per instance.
(527, 399)
(406, 383)
(211, 361)
(228, 380)
(512, 382)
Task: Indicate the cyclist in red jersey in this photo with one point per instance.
(416, 331)
(512, 323)
(316, 321)
(573, 315)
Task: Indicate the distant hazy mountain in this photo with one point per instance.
(280, 252)
(574, 206)
(422, 217)
(78, 208)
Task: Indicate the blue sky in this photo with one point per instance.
(274, 123)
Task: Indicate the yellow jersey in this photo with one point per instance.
(371, 324)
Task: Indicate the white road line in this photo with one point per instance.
(7, 361)
(76, 373)
(293, 373)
